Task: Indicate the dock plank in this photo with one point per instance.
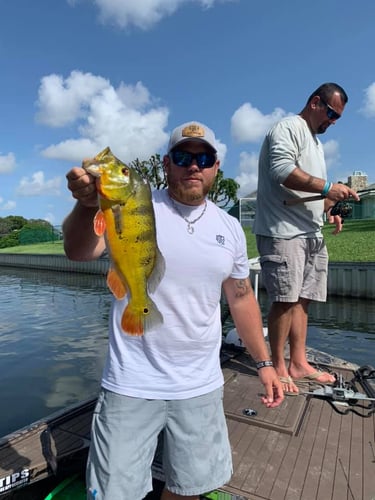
(323, 455)
(299, 474)
(356, 459)
(261, 478)
(326, 482)
(368, 458)
(342, 484)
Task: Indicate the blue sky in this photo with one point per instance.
(80, 75)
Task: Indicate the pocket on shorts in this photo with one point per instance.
(99, 402)
(275, 274)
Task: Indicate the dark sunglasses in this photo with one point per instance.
(185, 159)
(331, 113)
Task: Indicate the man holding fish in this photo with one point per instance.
(172, 252)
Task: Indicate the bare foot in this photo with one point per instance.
(289, 387)
(314, 375)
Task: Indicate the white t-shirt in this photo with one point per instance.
(181, 358)
(289, 144)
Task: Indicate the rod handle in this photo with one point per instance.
(297, 201)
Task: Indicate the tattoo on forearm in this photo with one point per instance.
(242, 287)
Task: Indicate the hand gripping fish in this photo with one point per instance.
(126, 219)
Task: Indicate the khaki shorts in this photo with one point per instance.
(293, 269)
(196, 453)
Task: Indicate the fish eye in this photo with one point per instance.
(125, 171)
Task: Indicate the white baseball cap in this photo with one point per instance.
(192, 131)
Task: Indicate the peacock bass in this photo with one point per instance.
(126, 219)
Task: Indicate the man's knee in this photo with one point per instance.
(282, 307)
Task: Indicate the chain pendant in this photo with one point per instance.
(190, 228)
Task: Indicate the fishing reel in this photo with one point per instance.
(342, 208)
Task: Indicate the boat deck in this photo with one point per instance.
(48, 449)
(305, 449)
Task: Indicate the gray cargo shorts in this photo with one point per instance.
(196, 455)
(293, 269)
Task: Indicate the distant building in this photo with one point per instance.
(358, 180)
(244, 210)
(365, 209)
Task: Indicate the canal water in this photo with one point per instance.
(53, 338)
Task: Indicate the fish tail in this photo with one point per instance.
(138, 320)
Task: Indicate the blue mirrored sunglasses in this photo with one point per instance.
(331, 113)
(185, 159)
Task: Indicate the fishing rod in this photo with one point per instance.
(297, 201)
(315, 197)
(342, 208)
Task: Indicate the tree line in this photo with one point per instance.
(16, 230)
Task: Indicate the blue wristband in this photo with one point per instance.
(327, 187)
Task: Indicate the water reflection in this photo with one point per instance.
(343, 327)
(53, 337)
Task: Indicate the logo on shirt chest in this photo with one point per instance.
(220, 239)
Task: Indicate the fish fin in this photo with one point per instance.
(157, 273)
(117, 287)
(137, 321)
(99, 223)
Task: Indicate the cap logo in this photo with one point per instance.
(193, 131)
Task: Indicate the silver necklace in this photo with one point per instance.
(190, 228)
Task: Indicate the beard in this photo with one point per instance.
(190, 196)
(322, 128)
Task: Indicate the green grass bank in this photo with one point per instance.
(51, 247)
(356, 243)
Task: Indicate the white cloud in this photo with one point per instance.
(368, 108)
(50, 218)
(134, 96)
(248, 124)
(7, 163)
(37, 185)
(221, 152)
(72, 150)
(62, 102)
(7, 205)
(248, 177)
(142, 14)
(127, 119)
(331, 153)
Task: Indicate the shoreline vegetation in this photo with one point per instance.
(356, 243)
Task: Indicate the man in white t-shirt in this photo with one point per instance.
(292, 251)
(168, 382)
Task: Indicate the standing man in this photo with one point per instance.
(292, 252)
(170, 378)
